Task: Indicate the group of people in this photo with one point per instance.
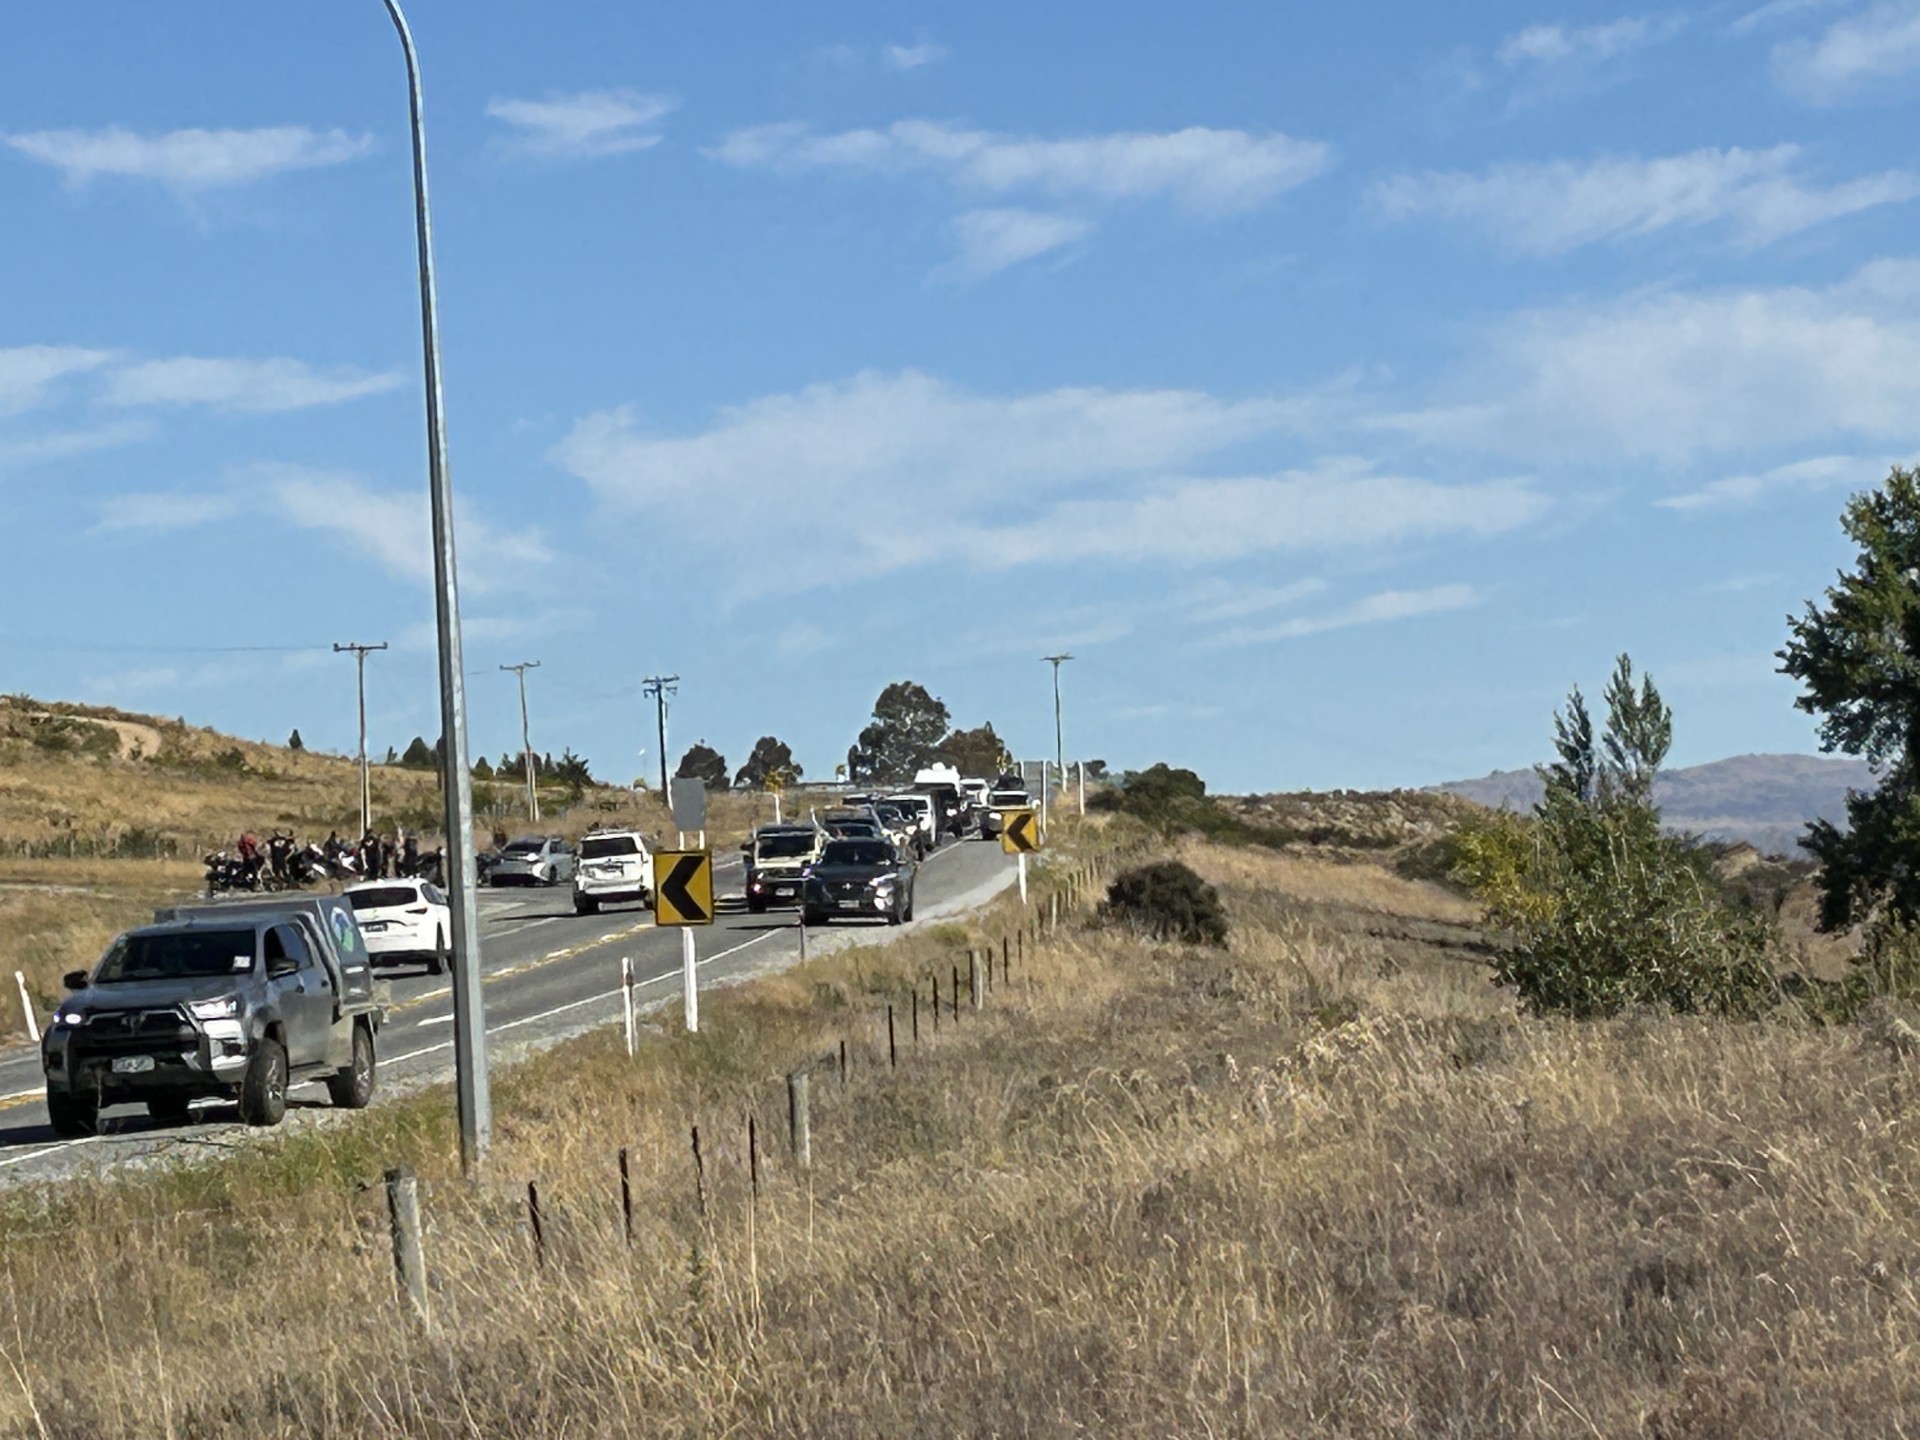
(376, 857)
(284, 863)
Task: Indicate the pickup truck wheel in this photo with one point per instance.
(813, 917)
(352, 1088)
(169, 1109)
(71, 1116)
(437, 962)
(585, 905)
(263, 1093)
(756, 905)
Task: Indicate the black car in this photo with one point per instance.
(866, 878)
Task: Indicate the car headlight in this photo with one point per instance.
(70, 1017)
(224, 1008)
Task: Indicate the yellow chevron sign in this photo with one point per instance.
(682, 887)
(1019, 832)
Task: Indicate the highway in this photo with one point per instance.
(549, 974)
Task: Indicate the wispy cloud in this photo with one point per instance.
(1859, 52)
(989, 241)
(189, 160)
(28, 372)
(1207, 172)
(20, 452)
(584, 125)
(257, 386)
(912, 57)
(161, 511)
(1822, 472)
(1051, 477)
(1777, 12)
(1379, 609)
(1216, 600)
(1673, 375)
(1549, 208)
(1549, 46)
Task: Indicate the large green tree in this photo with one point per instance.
(703, 762)
(903, 737)
(978, 752)
(770, 757)
(1857, 658)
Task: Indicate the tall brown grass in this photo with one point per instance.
(1325, 1182)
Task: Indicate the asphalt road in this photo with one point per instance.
(549, 974)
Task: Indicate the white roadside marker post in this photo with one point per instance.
(626, 998)
(690, 982)
(1023, 877)
(26, 1007)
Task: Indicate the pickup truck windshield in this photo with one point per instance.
(784, 847)
(601, 846)
(194, 954)
(857, 852)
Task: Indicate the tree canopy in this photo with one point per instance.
(770, 757)
(1857, 658)
(903, 737)
(703, 762)
(977, 752)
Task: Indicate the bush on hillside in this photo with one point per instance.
(1169, 902)
(1606, 911)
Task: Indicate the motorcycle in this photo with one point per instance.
(230, 872)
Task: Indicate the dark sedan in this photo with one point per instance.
(866, 878)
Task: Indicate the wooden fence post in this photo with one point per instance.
(954, 995)
(975, 992)
(409, 1260)
(893, 1054)
(533, 1219)
(626, 1198)
(753, 1154)
(800, 1118)
(699, 1173)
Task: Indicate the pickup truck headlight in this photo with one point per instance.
(225, 1008)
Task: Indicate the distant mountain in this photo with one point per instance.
(1765, 800)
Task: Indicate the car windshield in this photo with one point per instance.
(784, 847)
(912, 804)
(892, 814)
(598, 847)
(857, 852)
(190, 954)
(526, 847)
(384, 897)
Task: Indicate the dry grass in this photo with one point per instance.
(1324, 1182)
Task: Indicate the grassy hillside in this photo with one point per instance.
(1325, 1181)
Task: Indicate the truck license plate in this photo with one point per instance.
(783, 890)
(132, 1064)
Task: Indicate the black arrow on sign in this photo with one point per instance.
(1022, 831)
(674, 890)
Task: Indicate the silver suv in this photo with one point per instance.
(614, 868)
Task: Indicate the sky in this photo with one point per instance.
(1339, 385)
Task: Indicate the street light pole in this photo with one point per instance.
(472, 1090)
(1059, 741)
(526, 739)
(360, 653)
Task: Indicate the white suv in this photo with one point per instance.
(614, 867)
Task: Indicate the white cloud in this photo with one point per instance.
(255, 386)
(1821, 472)
(27, 372)
(1858, 52)
(19, 453)
(1215, 599)
(1549, 208)
(1561, 45)
(912, 57)
(1205, 171)
(585, 125)
(189, 160)
(1383, 608)
(903, 469)
(989, 241)
(390, 528)
(1673, 375)
(1774, 12)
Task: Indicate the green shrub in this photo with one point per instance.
(1169, 902)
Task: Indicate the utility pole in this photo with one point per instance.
(473, 1093)
(360, 653)
(660, 687)
(526, 740)
(1059, 742)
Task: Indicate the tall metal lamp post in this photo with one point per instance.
(469, 1013)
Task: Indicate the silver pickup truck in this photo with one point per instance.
(234, 1001)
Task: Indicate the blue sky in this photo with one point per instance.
(1338, 384)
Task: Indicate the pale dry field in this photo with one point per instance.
(1324, 1182)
